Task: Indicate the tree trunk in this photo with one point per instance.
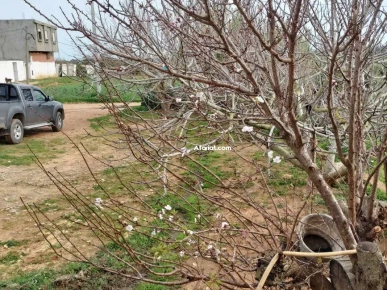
(342, 223)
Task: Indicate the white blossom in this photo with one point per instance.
(129, 228)
(277, 159)
(183, 151)
(170, 218)
(163, 211)
(247, 129)
(168, 207)
(178, 100)
(259, 99)
(224, 225)
(98, 202)
(190, 232)
(135, 219)
(209, 247)
(270, 154)
(161, 216)
(190, 242)
(181, 253)
(153, 233)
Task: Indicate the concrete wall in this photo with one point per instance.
(67, 69)
(16, 70)
(7, 70)
(40, 70)
(13, 43)
(90, 69)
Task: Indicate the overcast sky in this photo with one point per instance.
(17, 9)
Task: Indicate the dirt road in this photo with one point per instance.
(31, 184)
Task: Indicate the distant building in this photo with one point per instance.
(27, 39)
(66, 69)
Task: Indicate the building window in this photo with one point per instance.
(45, 36)
(53, 38)
(40, 34)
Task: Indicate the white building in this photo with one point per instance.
(27, 40)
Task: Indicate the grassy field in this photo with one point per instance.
(184, 208)
(286, 182)
(76, 90)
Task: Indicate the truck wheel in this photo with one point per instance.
(58, 123)
(16, 132)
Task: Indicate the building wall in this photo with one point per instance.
(11, 40)
(13, 43)
(7, 70)
(42, 57)
(66, 69)
(42, 69)
(46, 37)
(38, 70)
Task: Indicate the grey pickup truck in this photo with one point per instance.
(24, 107)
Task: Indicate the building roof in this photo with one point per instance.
(30, 20)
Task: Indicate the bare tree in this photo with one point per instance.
(305, 79)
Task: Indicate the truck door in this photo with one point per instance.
(45, 108)
(4, 106)
(32, 114)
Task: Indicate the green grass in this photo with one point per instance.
(13, 243)
(211, 160)
(20, 154)
(93, 277)
(103, 122)
(148, 286)
(75, 90)
(10, 258)
(35, 280)
(49, 204)
(99, 123)
(380, 194)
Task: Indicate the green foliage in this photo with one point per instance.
(81, 71)
(324, 143)
(150, 101)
